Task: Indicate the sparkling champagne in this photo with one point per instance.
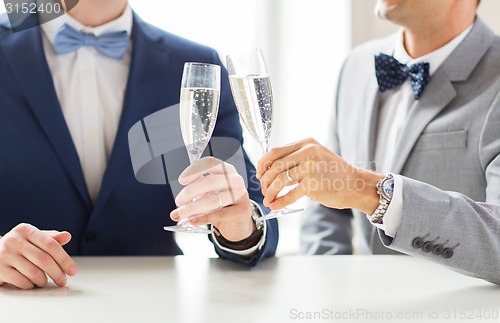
(254, 100)
(198, 113)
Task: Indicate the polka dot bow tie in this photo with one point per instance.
(391, 73)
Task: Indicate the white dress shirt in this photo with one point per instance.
(91, 89)
(395, 105)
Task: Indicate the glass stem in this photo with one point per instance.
(265, 146)
(183, 222)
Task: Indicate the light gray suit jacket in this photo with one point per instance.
(449, 155)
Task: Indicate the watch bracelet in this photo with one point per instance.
(378, 216)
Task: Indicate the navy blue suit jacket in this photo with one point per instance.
(41, 181)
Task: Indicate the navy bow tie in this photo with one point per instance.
(391, 73)
(113, 44)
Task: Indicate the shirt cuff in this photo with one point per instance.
(250, 251)
(394, 213)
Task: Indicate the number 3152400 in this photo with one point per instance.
(27, 8)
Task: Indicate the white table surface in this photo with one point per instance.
(285, 289)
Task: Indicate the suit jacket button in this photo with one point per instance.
(447, 253)
(428, 246)
(438, 249)
(90, 237)
(417, 242)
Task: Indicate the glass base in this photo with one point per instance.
(278, 213)
(185, 227)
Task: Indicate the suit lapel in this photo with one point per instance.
(146, 82)
(28, 63)
(440, 90)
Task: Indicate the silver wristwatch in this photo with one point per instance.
(385, 190)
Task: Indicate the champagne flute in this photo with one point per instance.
(199, 105)
(252, 92)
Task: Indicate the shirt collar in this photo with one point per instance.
(124, 22)
(435, 58)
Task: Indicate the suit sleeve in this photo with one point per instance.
(228, 125)
(327, 231)
(471, 229)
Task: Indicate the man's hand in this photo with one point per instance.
(215, 193)
(319, 174)
(28, 255)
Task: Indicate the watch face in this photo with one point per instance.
(388, 189)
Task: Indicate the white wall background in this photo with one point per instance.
(304, 43)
